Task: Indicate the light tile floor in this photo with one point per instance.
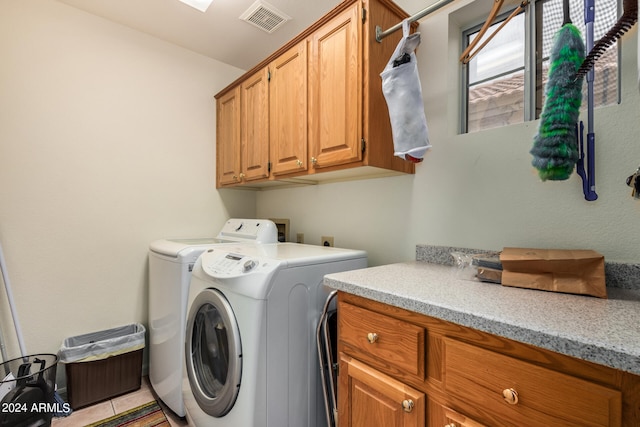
(119, 404)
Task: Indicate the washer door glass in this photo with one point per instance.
(213, 353)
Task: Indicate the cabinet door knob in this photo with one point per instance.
(407, 405)
(372, 337)
(235, 177)
(242, 176)
(451, 425)
(299, 163)
(314, 161)
(510, 395)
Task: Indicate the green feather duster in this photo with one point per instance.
(555, 151)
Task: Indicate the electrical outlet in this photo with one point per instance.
(327, 240)
(299, 237)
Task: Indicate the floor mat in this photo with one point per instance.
(147, 415)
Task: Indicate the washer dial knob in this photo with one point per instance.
(248, 266)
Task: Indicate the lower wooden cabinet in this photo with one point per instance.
(373, 399)
(446, 375)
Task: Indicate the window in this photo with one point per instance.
(499, 92)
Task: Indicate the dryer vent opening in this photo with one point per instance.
(264, 16)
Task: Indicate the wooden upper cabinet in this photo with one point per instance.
(228, 137)
(255, 126)
(288, 111)
(335, 81)
(326, 111)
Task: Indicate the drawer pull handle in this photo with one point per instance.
(372, 337)
(510, 395)
(407, 405)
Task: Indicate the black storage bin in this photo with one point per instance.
(28, 386)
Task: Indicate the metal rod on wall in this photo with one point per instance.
(424, 12)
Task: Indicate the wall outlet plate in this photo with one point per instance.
(282, 224)
(326, 240)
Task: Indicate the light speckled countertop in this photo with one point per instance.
(604, 331)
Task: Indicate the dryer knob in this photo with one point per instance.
(248, 266)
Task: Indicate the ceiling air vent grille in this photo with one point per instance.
(264, 16)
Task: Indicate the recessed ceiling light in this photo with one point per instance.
(201, 5)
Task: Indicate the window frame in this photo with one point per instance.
(528, 69)
(533, 64)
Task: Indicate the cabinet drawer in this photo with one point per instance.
(455, 419)
(383, 341)
(524, 393)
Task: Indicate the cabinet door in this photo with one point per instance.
(228, 138)
(335, 110)
(368, 398)
(255, 126)
(288, 111)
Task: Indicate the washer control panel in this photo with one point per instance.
(219, 263)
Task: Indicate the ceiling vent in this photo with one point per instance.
(264, 16)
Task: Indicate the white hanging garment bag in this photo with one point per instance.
(403, 93)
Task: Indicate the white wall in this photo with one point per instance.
(479, 190)
(107, 142)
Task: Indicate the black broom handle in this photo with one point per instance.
(566, 12)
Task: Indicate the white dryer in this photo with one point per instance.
(251, 357)
(170, 265)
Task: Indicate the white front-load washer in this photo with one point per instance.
(250, 351)
(170, 265)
